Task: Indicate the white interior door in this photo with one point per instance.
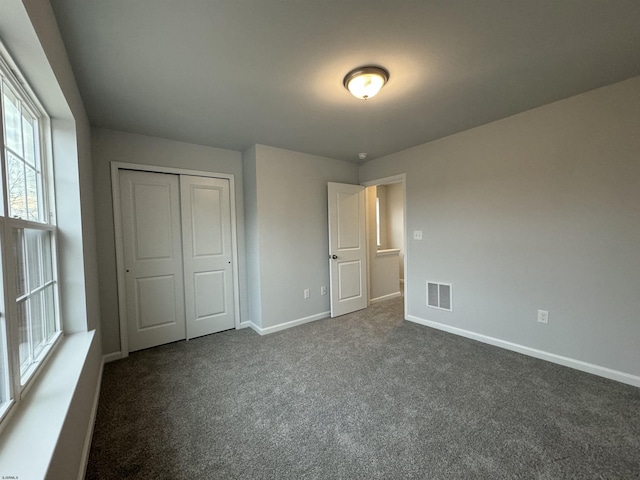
(152, 248)
(208, 272)
(347, 248)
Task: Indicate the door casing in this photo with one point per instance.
(400, 178)
(117, 217)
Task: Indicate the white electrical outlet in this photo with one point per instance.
(543, 316)
(417, 234)
(306, 293)
(323, 290)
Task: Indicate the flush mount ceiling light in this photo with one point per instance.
(365, 82)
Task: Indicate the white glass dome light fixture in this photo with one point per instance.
(365, 82)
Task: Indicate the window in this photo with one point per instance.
(35, 302)
(378, 236)
(29, 323)
(24, 183)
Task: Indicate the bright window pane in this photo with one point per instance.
(32, 195)
(47, 264)
(3, 372)
(34, 257)
(21, 273)
(26, 358)
(35, 322)
(12, 132)
(378, 222)
(49, 311)
(16, 187)
(28, 136)
(24, 181)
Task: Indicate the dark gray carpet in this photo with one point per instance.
(363, 396)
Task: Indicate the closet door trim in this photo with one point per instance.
(117, 219)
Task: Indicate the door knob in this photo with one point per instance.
(333, 257)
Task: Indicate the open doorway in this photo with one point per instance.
(386, 238)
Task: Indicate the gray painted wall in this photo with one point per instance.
(112, 146)
(291, 219)
(251, 229)
(535, 211)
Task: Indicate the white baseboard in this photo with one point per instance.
(112, 357)
(84, 460)
(251, 325)
(385, 297)
(284, 326)
(532, 352)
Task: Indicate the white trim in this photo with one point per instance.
(119, 242)
(34, 371)
(286, 325)
(400, 178)
(533, 352)
(252, 326)
(41, 416)
(234, 249)
(388, 252)
(17, 81)
(84, 459)
(385, 297)
(112, 357)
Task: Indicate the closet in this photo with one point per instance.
(176, 253)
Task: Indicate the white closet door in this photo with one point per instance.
(208, 273)
(150, 206)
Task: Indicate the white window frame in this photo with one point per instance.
(378, 226)
(19, 384)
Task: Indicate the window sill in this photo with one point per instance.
(28, 441)
(33, 372)
(388, 252)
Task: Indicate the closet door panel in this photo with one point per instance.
(206, 229)
(152, 244)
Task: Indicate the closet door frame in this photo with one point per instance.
(119, 241)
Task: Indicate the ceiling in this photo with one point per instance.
(233, 73)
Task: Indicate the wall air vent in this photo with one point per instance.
(439, 295)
